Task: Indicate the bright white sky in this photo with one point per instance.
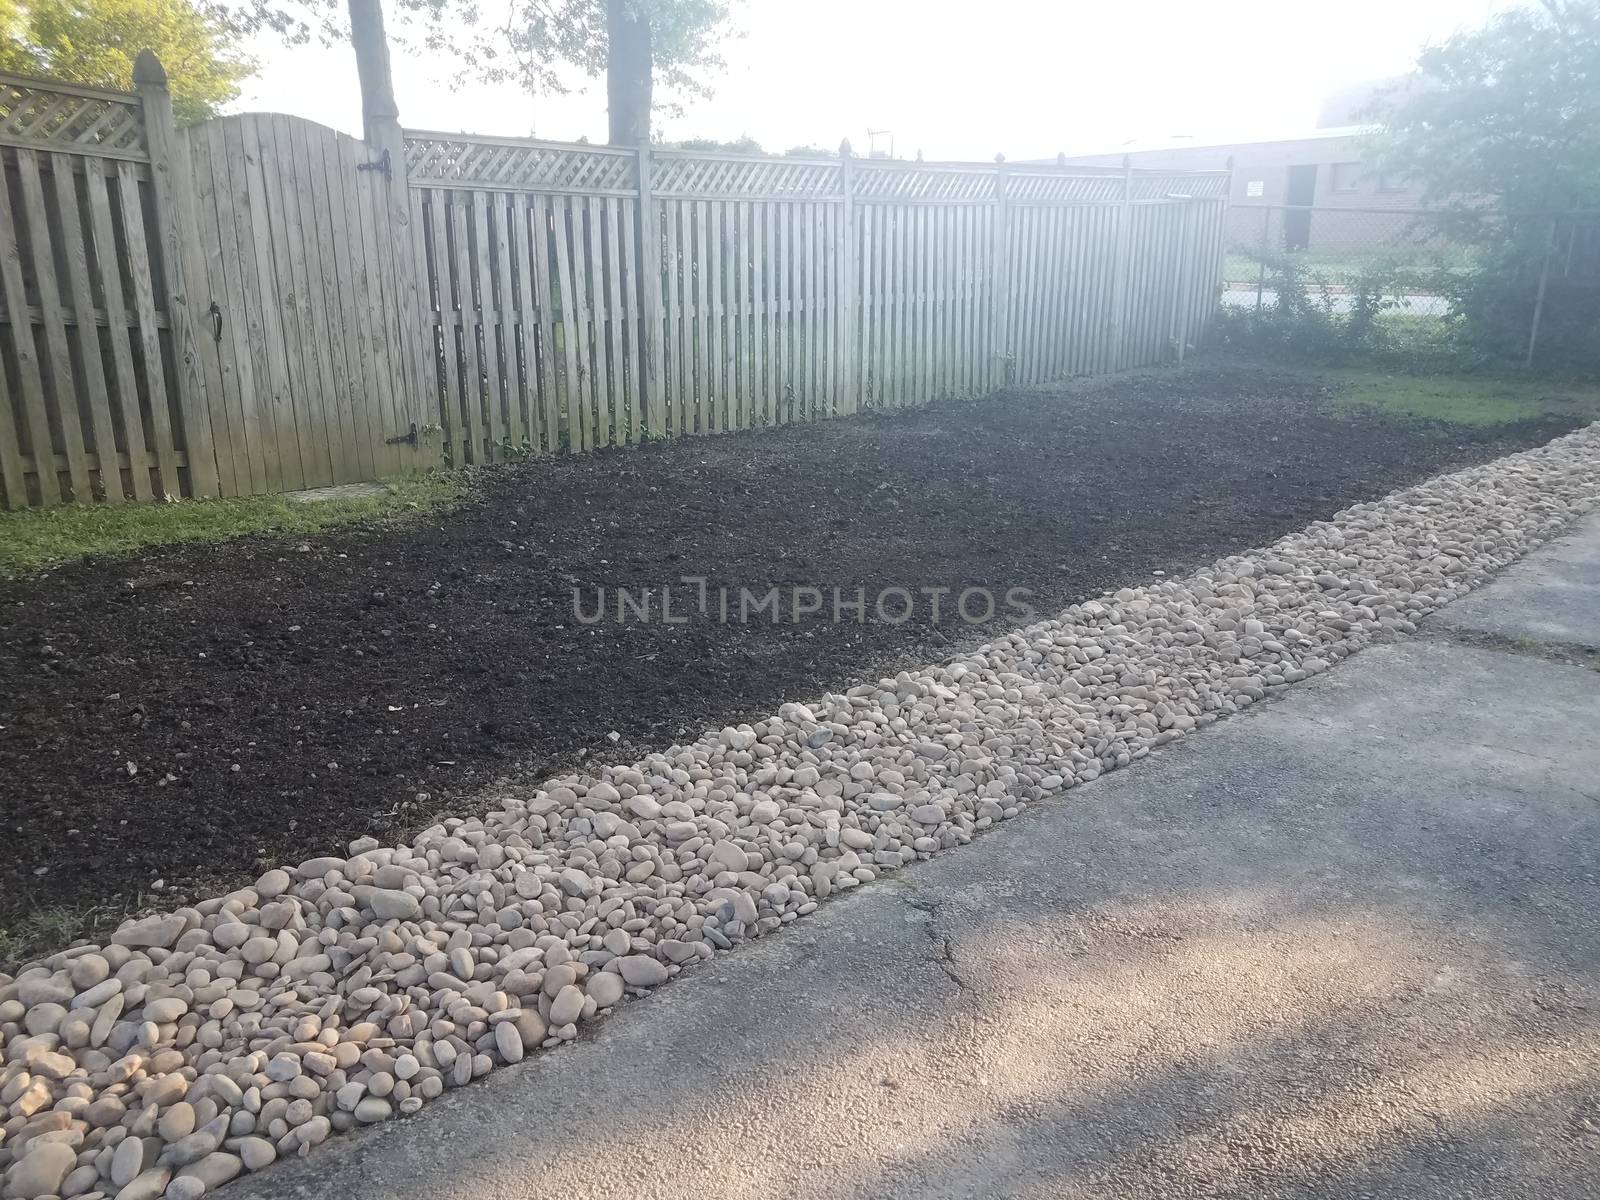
(952, 78)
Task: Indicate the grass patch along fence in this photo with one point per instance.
(34, 540)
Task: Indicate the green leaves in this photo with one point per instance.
(544, 46)
(94, 42)
(1510, 112)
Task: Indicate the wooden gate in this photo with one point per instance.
(302, 306)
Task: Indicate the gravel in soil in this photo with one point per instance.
(201, 711)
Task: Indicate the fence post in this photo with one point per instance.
(1544, 282)
(1261, 258)
(1000, 285)
(170, 187)
(847, 283)
(1203, 333)
(1178, 319)
(653, 420)
(1119, 277)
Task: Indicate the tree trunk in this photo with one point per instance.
(629, 70)
(379, 113)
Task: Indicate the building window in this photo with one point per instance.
(1345, 176)
(1255, 188)
(1394, 181)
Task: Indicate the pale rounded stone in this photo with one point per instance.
(639, 970)
(273, 884)
(203, 1141)
(44, 1018)
(214, 1170)
(283, 1067)
(43, 987)
(178, 1121)
(40, 1171)
(87, 970)
(160, 931)
(147, 1186)
(129, 1161)
(80, 1181)
(605, 989)
(390, 904)
(48, 1064)
(567, 1005)
(255, 1152)
(508, 1041)
(165, 1011)
(258, 949)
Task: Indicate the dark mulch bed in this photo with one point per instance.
(276, 700)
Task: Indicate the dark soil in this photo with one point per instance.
(198, 712)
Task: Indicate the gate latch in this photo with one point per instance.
(408, 438)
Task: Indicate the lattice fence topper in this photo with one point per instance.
(687, 173)
(450, 159)
(877, 180)
(55, 116)
(1054, 187)
(456, 160)
(1198, 185)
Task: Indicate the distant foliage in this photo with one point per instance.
(1309, 316)
(1501, 126)
(1509, 112)
(536, 44)
(94, 42)
(744, 145)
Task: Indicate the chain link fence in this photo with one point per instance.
(1468, 285)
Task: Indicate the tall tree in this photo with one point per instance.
(653, 53)
(1511, 111)
(630, 70)
(95, 42)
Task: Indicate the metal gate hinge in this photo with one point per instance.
(381, 163)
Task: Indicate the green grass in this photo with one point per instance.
(1474, 400)
(35, 540)
(1347, 265)
(40, 934)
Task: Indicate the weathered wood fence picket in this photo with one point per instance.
(260, 304)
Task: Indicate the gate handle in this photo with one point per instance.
(215, 313)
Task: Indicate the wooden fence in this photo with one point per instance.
(586, 296)
(259, 304)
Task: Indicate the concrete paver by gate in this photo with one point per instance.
(1346, 945)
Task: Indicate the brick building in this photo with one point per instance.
(1323, 169)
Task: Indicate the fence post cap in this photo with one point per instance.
(844, 148)
(148, 71)
(999, 158)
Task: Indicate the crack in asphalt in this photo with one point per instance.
(944, 952)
